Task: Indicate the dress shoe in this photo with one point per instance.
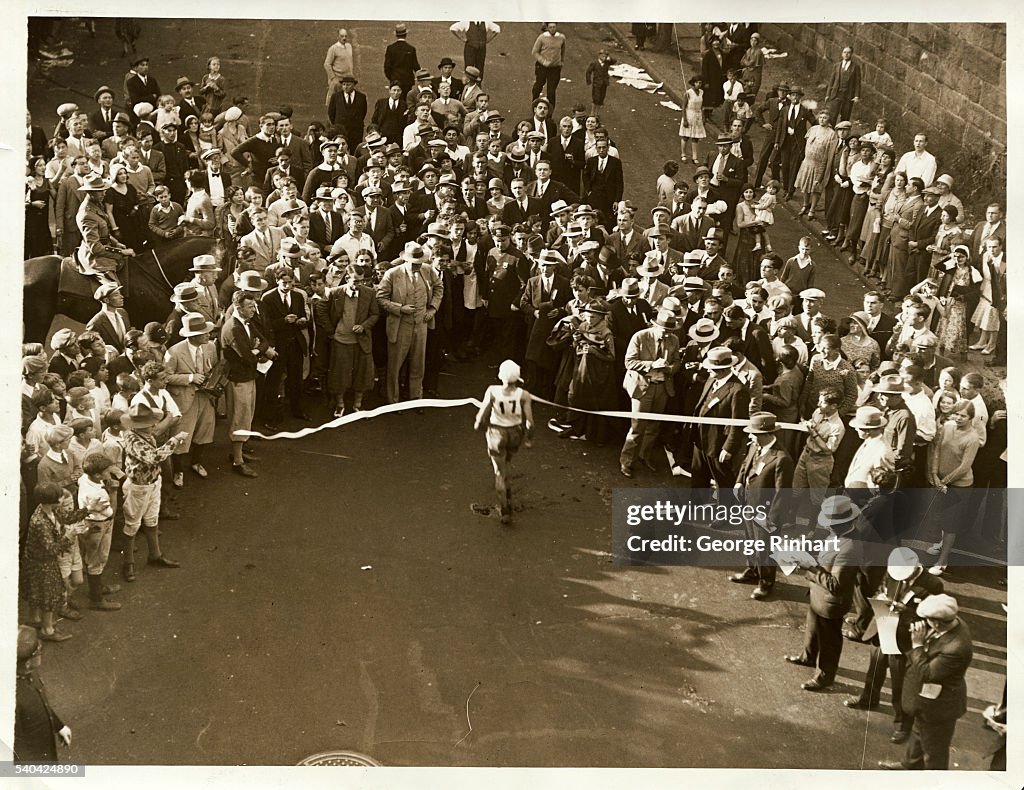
(200, 471)
(163, 562)
(891, 765)
(899, 736)
(859, 704)
(815, 684)
(749, 576)
(179, 480)
(244, 470)
(800, 661)
(937, 570)
(761, 592)
(54, 636)
(128, 571)
(626, 471)
(104, 605)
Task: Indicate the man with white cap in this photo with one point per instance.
(934, 689)
(188, 364)
(652, 360)
(112, 321)
(831, 578)
(506, 414)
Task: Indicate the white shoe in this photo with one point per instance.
(179, 480)
(678, 471)
(937, 570)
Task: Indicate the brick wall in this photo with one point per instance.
(948, 80)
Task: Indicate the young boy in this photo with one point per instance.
(798, 272)
(598, 80)
(56, 385)
(94, 498)
(742, 111)
(127, 388)
(45, 406)
(82, 443)
(732, 89)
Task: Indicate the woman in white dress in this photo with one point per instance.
(691, 126)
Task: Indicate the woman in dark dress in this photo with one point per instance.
(38, 240)
(121, 202)
(42, 586)
(712, 71)
(593, 385)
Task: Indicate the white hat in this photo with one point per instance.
(938, 607)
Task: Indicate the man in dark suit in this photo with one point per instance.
(547, 191)
(880, 324)
(285, 311)
(831, 578)
(348, 110)
(742, 147)
(102, 121)
(756, 344)
(446, 67)
(728, 173)
(627, 243)
(302, 157)
(507, 270)
(934, 689)
(139, 86)
(400, 61)
(175, 161)
(716, 453)
(389, 114)
(517, 167)
(404, 220)
(567, 155)
(542, 121)
(521, 207)
(790, 131)
(923, 234)
(543, 304)
(378, 220)
(764, 481)
(602, 182)
(767, 116)
(629, 314)
(111, 322)
(843, 89)
(188, 105)
(693, 228)
(900, 236)
(326, 225)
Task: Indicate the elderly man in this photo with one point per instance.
(188, 364)
(411, 294)
(244, 344)
(934, 689)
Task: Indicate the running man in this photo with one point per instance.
(507, 415)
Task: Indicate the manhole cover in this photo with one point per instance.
(339, 758)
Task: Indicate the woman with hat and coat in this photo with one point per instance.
(594, 382)
(857, 344)
(100, 252)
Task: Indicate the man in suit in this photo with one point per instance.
(652, 360)
(542, 121)
(843, 89)
(446, 67)
(629, 314)
(742, 147)
(767, 116)
(400, 61)
(378, 220)
(547, 191)
(404, 220)
(188, 105)
(831, 578)
(934, 689)
(728, 172)
(517, 167)
(112, 142)
(756, 344)
(243, 343)
(263, 240)
(600, 266)
(923, 234)
(663, 255)
(543, 304)
(716, 453)
(152, 157)
(627, 243)
(352, 311)
(880, 325)
(285, 310)
(992, 226)
(348, 111)
(506, 271)
(328, 169)
(473, 206)
(102, 121)
(111, 322)
(567, 155)
(69, 201)
(602, 182)
(389, 114)
(411, 294)
(993, 263)
(521, 207)
(139, 86)
(790, 133)
(302, 157)
(326, 226)
(176, 162)
(899, 238)
(764, 481)
(694, 227)
(188, 365)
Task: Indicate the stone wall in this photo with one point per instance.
(948, 80)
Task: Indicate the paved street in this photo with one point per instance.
(348, 598)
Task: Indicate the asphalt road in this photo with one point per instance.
(348, 599)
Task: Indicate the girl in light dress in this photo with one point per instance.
(166, 112)
(209, 138)
(213, 86)
(764, 215)
(986, 314)
(958, 285)
(691, 126)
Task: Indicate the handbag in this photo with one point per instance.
(216, 380)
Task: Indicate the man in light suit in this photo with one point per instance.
(111, 322)
(69, 200)
(843, 89)
(899, 238)
(411, 294)
(188, 364)
(831, 577)
(764, 480)
(263, 240)
(348, 111)
(652, 360)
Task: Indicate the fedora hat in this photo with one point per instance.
(141, 414)
(718, 358)
(137, 60)
(392, 148)
(673, 305)
(573, 230)
(195, 324)
(94, 182)
(414, 253)
(598, 305)
(401, 29)
(204, 263)
(182, 82)
(795, 89)
(517, 154)
(836, 510)
(491, 115)
(552, 257)
(251, 281)
(374, 139)
(590, 246)
(630, 287)
(659, 230)
(761, 422)
(694, 284)
(650, 267)
(289, 248)
(559, 207)
(585, 210)
(713, 234)
(400, 185)
(101, 90)
(868, 418)
(889, 385)
(473, 72)
(438, 230)
(349, 78)
(724, 139)
(704, 331)
(903, 562)
(324, 193)
(184, 292)
(665, 320)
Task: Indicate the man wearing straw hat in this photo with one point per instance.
(99, 253)
(934, 689)
(205, 282)
(874, 451)
(188, 365)
(652, 360)
(831, 578)
(768, 468)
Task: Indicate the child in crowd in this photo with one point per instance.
(880, 138)
(667, 182)
(55, 384)
(208, 136)
(166, 112)
(213, 87)
(98, 510)
(764, 214)
(798, 272)
(598, 80)
(82, 443)
(127, 388)
(732, 89)
(742, 111)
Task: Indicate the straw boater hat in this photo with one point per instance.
(552, 257)
(666, 320)
(718, 358)
(140, 415)
(650, 267)
(94, 182)
(836, 510)
(704, 331)
(204, 263)
(206, 156)
(761, 422)
(193, 324)
(868, 418)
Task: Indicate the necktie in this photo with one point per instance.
(394, 105)
(600, 165)
(327, 223)
(792, 113)
(118, 325)
(348, 98)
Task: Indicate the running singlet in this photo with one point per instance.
(507, 410)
